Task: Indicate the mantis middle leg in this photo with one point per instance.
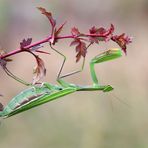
(59, 77)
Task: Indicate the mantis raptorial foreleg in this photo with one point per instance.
(110, 54)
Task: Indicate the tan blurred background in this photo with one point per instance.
(84, 119)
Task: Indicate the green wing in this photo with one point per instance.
(33, 97)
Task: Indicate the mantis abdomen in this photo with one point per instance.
(33, 97)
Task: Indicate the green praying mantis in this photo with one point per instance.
(37, 95)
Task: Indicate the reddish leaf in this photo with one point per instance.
(48, 15)
(40, 51)
(58, 31)
(1, 107)
(112, 29)
(80, 48)
(75, 31)
(122, 41)
(39, 70)
(93, 30)
(74, 43)
(107, 33)
(98, 32)
(52, 22)
(25, 43)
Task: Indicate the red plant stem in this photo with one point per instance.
(19, 50)
(27, 47)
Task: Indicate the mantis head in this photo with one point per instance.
(107, 55)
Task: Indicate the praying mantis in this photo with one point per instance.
(37, 95)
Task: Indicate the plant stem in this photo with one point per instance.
(19, 50)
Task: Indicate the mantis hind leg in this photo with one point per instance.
(15, 77)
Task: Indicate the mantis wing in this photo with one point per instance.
(31, 98)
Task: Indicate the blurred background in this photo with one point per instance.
(83, 119)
